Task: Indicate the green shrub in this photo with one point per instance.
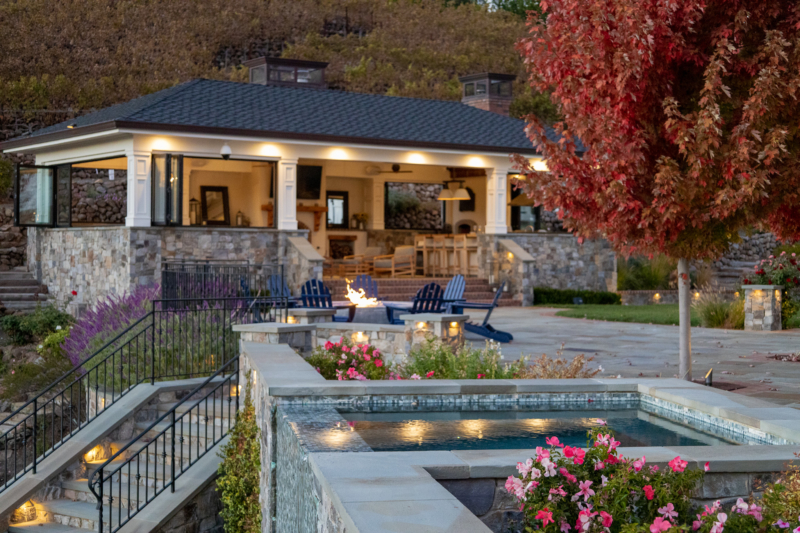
(789, 309)
(642, 274)
(25, 329)
(6, 176)
(715, 311)
(240, 472)
(790, 249)
(32, 377)
(435, 360)
(544, 295)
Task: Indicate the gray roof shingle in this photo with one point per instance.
(312, 113)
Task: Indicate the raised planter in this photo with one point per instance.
(762, 307)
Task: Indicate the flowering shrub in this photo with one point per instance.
(781, 270)
(566, 489)
(25, 329)
(437, 360)
(346, 361)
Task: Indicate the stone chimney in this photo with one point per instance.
(287, 72)
(488, 91)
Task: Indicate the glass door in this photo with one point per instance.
(167, 190)
(64, 196)
(33, 196)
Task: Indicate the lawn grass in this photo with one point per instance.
(643, 314)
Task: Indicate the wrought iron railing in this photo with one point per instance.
(215, 279)
(157, 457)
(177, 339)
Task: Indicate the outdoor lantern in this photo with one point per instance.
(194, 212)
(239, 219)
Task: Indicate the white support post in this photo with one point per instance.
(139, 188)
(496, 193)
(375, 207)
(286, 203)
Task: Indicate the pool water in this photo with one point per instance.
(493, 430)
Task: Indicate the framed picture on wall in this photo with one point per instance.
(214, 206)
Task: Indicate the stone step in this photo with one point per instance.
(9, 275)
(185, 453)
(77, 515)
(20, 297)
(191, 431)
(40, 526)
(24, 306)
(22, 286)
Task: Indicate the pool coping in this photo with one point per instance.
(382, 491)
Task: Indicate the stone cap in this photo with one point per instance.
(762, 287)
(518, 251)
(433, 317)
(306, 250)
(273, 327)
(310, 311)
(356, 326)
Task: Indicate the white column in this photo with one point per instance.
(286, 202)
(496, 194)
(375, 204)
(139, 188)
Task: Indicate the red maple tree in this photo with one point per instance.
(687, 118)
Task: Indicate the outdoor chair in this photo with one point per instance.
(277, 287)
(427, 300)
(484, 329)
(361, 263)
(316, 295)
(370, 286)
(453, 293)
(402, 263)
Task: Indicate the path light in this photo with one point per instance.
(696, 295)
(656, 297)
(510, 255)
(25, 513)
(235, 389)
(359, 337)
(291, 320)
(94, 454)
(420, 325)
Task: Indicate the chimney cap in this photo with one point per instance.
(284, 61)
(487, 76)
(287, 72)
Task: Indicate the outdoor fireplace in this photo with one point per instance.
(341, 245)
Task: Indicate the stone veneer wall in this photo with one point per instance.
(98, 199)
(100, 261)
(12, 240)
(560, 262)
(200, 515)
(665, 297)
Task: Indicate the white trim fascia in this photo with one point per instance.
(60, 142)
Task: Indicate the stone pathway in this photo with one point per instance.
(632, 350)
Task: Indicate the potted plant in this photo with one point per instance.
(362, 219)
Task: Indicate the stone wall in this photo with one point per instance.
(12, 240)
(666, 297)
(559, 261)
(751, 248)
(98, 199)
(96, 262)
(200, 515)
(425, 213)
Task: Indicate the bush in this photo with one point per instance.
(436, 360)
(544, 295)
(793, 248)
(6, 176)
(346, 361)
(776, 270)
(25, 329)
(546, 368)
(32, 377)
(240, 472)
(642, 274)
(782, 498)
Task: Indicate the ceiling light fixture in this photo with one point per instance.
(459, 194)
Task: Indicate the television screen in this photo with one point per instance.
(309, 182)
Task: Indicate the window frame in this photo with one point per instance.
(345, 210)
(17, 180)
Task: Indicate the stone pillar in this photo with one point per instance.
(298, 336)
(496, 209)
(448, 328)
(286, 201)
(310, 316)
(139, 188)
(762, 307)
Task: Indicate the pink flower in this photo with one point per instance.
(604, 481)
(565, 528)
(525, 468)
(328, 345)
(564, 472)
(607, 519)
(706, 467)
(668, 511)
(659, 525)
(585, 491)
(677, 465)
(414, 376)
(553, 441)
(481, 376)
(601, 422)
(378, 363)
(549, 467)
(780, 523)
(541, 453)
(545, 516)
(429, 374)
(584, 520)
(638, 464)
(719, 526)
(602, 440)
(649, 492)
(697, 524)
(514, 486)
(559, 492)
(366, 357)
(345, 349)
(599, 465)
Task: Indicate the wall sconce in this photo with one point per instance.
(656, 297)
(510, 255)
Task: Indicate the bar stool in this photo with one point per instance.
(439, 255)
(421, 245)
(460, 258)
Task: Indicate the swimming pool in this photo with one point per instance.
(518, 429)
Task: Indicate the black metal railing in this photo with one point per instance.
(177, 339)
(215, 279)
(159, 455)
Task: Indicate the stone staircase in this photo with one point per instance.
(729, 275)
(69, 506)
(404, 289)
(19, 290)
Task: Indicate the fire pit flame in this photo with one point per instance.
(359, 297)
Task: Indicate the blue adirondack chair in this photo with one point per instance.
(278, 288)
(453, 293)
(484, 329)
(317, 295)
(370, 286)
(427, 300)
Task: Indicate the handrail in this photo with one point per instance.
(59, 412)
(97, 479)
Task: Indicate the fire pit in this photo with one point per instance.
(368, 310)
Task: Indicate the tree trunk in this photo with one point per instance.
(684, 313)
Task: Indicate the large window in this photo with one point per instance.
(338, 208)
(34, 196)
(167, 176)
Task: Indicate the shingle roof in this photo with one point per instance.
(310, 113)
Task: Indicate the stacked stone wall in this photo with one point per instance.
(425, 215)
(751, 248)
(13, 240)
(98, 199)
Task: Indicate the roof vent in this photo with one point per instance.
(291, 72)
(488, 91)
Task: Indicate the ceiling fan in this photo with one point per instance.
(374, 170)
